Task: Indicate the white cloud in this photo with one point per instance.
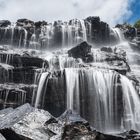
(111, 11)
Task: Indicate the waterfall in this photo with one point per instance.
(104, 100)
(64, 34)
(131, 105)
(12, 95)
(118, 34)
(41, 91)
(72, 83)
(60, 60)
(84, 30)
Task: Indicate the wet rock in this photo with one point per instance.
(76, 128)
(55, 97)
(32, 125)
(4, 23)
(97, 32)
(22, 60)
(5, 111)
(40, 23)
(70, 116)
(100, 33)
(82, 51)
(115, 59)
(36, 124)
(16, 115)
(25, 23)
(131, 135)
(107, 49)
(27, 123)
(14, 95)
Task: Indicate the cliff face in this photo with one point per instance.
(66, 65)
(45, 35)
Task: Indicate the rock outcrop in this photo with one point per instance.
(4, 23)
(46, 35)
(27, 123)
(106, 57)
(17, 72)
(82, 51)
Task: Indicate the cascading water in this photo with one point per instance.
(41, 91)
(131, 105)
(107, 99)
(98, 97)
(118, 34)
(69, 33)
(14, 36)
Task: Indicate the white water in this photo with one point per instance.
(131, 105)
(96, 95)
(42, 86)
(72, 32)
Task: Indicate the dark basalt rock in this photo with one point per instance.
(55, 98)
(4, 23)
(131, 135)
(14, 95)
(22, 60)
(82, 51)
(99, 33)
(107, 49)
(25, 23)
(40, 23)
(116, 59)
(35, 124)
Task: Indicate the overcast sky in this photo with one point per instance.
(111, 11)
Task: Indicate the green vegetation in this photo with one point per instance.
(137, 24)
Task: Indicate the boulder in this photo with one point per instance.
(4, 23)
(77, 128)
(32, 126)
(5, 111)
(27, 123)
(25, 23)
(8, 120)
(131, 135)
(82, 51)
(40, 23)
(107, 49)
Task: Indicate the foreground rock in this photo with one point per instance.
(27, 123)
(9, 119)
